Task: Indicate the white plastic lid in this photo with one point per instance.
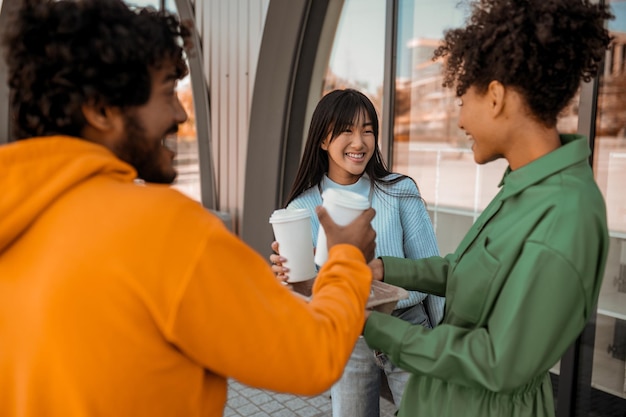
(345, 198)
(289, 215)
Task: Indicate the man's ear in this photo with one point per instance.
(101, 118)
(103, 124)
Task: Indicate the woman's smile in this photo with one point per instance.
(357, 157)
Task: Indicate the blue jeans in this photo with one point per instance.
(357, 393)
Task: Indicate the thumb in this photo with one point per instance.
(326, 221)
(322, 215)
(321, 211)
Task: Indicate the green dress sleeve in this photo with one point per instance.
(522, 334)
(432, 273)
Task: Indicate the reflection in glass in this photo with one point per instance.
(187, 161)
(609, 358)
(143, 3)
(170, 5)
(185, 143)
(427, 143)
(357, 55)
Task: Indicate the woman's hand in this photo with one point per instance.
(378, 269)
(367, 316)
(277, 264)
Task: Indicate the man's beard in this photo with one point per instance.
(144, 154)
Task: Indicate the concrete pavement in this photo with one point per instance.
(244, 401)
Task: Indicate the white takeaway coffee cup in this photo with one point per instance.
(343, 207)
(292, 231)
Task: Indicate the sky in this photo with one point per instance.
(142, 3)
(619, 10)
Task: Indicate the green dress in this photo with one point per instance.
(519, 290)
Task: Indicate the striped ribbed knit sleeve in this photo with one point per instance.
(309, 200)
(420, 241)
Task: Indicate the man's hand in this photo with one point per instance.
(358, 233)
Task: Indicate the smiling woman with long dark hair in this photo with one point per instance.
(341, 152)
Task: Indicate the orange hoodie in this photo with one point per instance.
(119, 299)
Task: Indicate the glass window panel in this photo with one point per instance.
(609, 365)
(185, 142)
(143, 3)
(170, 5)
(357, 55)
(427, 143)
(187, 161)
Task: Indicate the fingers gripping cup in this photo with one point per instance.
(292, 230)
(343, 207)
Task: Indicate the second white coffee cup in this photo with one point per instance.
(292, 231)
(343, 207)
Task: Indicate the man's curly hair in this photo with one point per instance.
(541, 48)
(62, 54)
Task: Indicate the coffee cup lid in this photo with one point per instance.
(289, 215)
(346, 198)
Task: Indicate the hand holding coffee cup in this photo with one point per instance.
(292, 229)
(359, 232)
(278, 264)
(343, 207)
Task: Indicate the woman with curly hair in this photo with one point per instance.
(525, 279)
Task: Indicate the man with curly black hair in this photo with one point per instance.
(126, 298)
(525, 279)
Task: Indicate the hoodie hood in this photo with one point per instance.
(35, 172)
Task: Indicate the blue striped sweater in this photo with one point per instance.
(403, 227)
